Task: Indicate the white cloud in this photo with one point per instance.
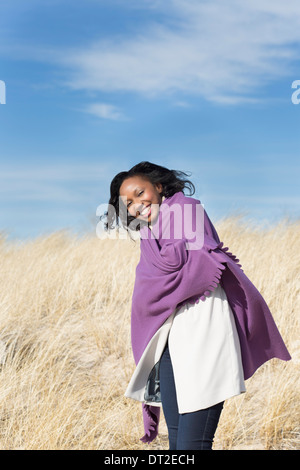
(105, 111)
(226, 52)
(182, 104)
(223, 51)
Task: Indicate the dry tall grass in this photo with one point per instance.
(65, 348)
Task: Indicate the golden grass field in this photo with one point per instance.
(65, 351)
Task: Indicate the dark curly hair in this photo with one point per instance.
(172, 182)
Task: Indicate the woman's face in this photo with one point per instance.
(138, 195)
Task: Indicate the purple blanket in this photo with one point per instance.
(182, 260)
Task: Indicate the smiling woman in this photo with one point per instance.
(135, 195)
(199, 327)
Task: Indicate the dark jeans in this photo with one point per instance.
(187, 431)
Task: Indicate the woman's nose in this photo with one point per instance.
(136, 210)
(139, 210)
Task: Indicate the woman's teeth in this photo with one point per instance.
(146, 211)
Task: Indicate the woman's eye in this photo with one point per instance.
(140, 193)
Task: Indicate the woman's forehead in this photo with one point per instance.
(132, 184)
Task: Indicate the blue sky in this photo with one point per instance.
(94, 87)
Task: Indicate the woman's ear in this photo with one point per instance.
(159, 187)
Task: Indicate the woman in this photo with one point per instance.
(199, 326)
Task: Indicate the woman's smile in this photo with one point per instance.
(146, 212)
